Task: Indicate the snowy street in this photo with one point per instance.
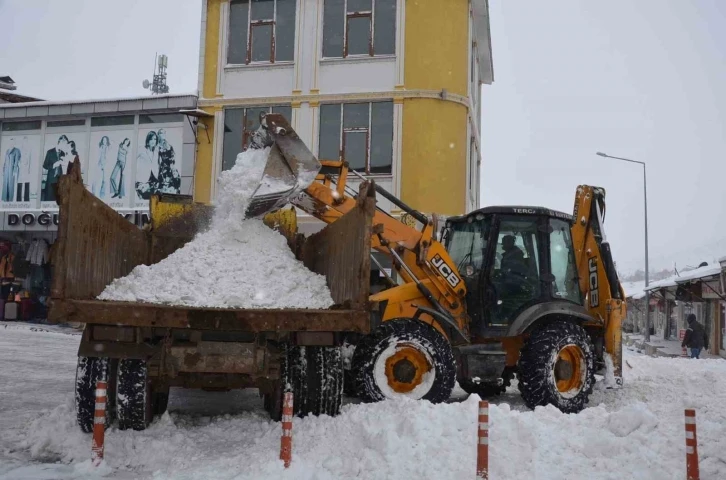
(635, 433)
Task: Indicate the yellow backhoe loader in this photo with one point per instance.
(498, 292)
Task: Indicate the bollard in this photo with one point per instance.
(482, 445)
(286, 439)
(691, 446)
(99, 423)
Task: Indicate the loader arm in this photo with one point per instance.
(604, 295)
(432, 281)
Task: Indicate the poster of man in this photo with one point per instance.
(110, 161)
(158, 163)
(20, 165)
(62, 149)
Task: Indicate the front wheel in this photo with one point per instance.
(404, 358)
(557, 367)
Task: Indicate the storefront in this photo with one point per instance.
(128, 149)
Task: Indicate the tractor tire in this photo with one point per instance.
(557, 367)
(133, 396)
(404, 358)
(314, 375)
(89, 370)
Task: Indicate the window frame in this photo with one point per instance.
(251, 25)
(368, 130)
(245, 133)
(371, 15)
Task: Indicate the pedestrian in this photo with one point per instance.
(696, 338)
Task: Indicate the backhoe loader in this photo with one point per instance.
(506, 291)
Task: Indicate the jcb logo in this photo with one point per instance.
(593, 282)
(446, 271)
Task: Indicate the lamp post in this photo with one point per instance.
(645, 200)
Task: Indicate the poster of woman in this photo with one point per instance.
(20, 156)
(157, 163)
(61, 149)
(109, 156)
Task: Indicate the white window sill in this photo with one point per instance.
(258, 65)
(357, 59)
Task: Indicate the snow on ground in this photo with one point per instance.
(237, 263)
(636, 432)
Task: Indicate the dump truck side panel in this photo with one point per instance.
(95, 244)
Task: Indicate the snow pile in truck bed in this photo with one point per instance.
(237, 263)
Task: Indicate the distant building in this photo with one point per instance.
(7, 84)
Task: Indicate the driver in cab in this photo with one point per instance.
(513, 263)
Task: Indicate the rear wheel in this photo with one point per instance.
(89, 370)
(133, 396)
(404, 358)
(314, 375)
(557, 367)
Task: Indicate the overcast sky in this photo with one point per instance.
(640, 79)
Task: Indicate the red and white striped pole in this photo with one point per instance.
(99, 423)
(286, 439)
(482, 445)
(691, 446)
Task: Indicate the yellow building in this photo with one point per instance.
(392, 86)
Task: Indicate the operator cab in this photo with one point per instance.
(512, 259)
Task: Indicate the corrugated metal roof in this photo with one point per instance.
(169, 102)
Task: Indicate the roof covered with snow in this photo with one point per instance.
(700, 273)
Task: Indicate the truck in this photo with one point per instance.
(144, 349)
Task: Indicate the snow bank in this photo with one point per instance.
(237, 263)
(635, 432)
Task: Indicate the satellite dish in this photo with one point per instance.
(146, 83)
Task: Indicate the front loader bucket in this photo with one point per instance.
(290, 169)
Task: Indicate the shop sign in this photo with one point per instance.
(48, 221)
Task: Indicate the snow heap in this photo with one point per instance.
(237, 263)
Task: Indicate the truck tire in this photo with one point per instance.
(314, 375)
(557, 367)
(404, 358)
(88, 371)
(133, 399)
(325, 380)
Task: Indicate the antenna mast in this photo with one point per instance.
(158, 86)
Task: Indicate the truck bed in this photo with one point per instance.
(250, 320)
(96, 245)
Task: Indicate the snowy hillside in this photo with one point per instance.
(634, 433)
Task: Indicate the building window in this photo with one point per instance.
(239, 124)
(112, 121)
(160, 118)
(19, 126)
(359, 133)
(66, 123)
(359, 27)
(261, 31)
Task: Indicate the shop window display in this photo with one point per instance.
(24, 279)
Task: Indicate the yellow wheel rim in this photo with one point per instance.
(405, 369)
(569, 368)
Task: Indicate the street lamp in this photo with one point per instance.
(645, 199)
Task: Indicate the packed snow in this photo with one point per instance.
(635, 432)
(237, 263)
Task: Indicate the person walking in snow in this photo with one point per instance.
(696, 338)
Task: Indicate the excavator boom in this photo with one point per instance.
(596, 271)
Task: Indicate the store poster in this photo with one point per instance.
(59, 151)
(158, 163)
(20, 162)
(110, 163)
